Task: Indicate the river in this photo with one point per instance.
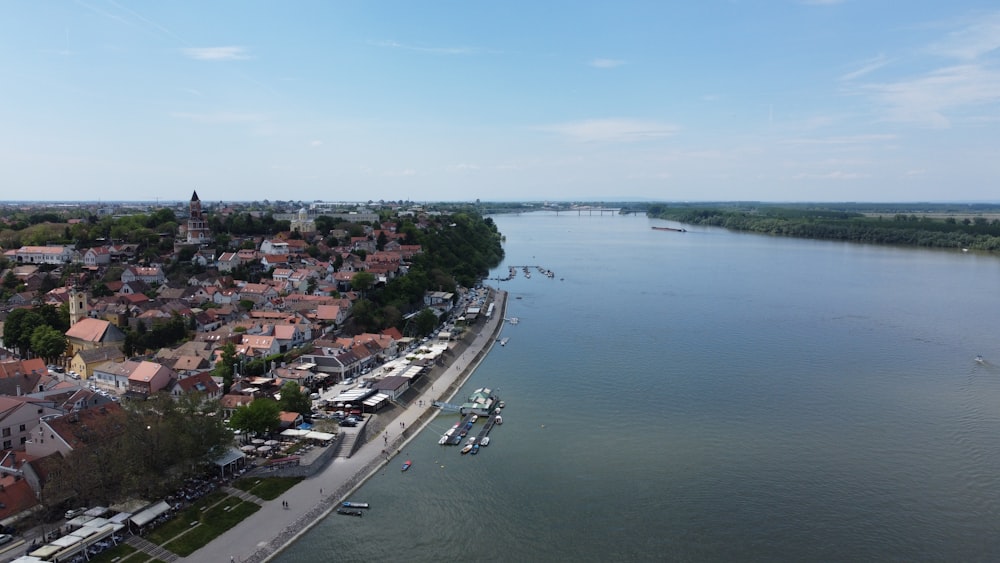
(707, 396)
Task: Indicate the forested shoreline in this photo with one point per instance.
(934, 228)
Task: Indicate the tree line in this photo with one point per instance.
(977, 233)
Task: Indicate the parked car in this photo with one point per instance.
(74, 512)
(5, 539)
(73, 374)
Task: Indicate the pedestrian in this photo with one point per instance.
(232, 559)
(321, 491)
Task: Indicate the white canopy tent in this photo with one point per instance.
(150, 514)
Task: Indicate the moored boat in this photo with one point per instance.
(475, 449)
(406, 465)
(485, 442)
(501, 404)
(669, 229)
(468, 446)
(355, 505)
(498, 419)
(349, 512)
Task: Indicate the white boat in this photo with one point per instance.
(503, 341)
(498, 419)
(980, 359)
(443, 440)
(468, 446)
(485, 442)
(474, 418)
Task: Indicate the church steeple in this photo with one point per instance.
(77, 304)
(197, 227)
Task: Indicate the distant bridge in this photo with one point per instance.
(590, 210)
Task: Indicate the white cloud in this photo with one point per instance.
(437, 50)
(972, 41)
(316, 143)
(219, 117)
(230, 53)
(833, 175)
(926, 99)
(606, 63)
(613, 130)
(843, 140)
(399, 173)
(461, 167)
(866, 67)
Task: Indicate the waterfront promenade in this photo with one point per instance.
(266, 532)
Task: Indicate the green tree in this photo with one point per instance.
(362, 281)
(426, 321)
(262, 416)
(48, 342)
(18, 328)
(224, 367)
(293, 399)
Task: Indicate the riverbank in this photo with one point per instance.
(264, 534)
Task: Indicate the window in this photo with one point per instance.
(7, 445)
(23, 428)
(6, 432)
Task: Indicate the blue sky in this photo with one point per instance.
(784, 100)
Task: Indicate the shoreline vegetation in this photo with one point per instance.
(965, 226)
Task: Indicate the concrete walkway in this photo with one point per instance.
(266, 532)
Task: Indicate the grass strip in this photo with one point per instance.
(214, 522)
(267, 488)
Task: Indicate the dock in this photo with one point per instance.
(466, 427)
(512, 272)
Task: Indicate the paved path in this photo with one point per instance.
(267, 531)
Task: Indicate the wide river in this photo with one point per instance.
(712, 396)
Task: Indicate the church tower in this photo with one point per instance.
(77, 305)
(197, 226)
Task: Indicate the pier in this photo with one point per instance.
(464, 428)
(512, 272)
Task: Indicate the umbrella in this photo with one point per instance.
(271, 443)
(264, 449)
(248, 448)
(258, 441)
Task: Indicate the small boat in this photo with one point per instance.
(980, 359)
(349, 512)
(498, 419)
(468, 446)
(443, 440)
(485, 442)
(474, 418)
(355, 505)
(496, 411)
(503, 341)
(501, 404)
(669, 229)
(475, 449)
(406, 465)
